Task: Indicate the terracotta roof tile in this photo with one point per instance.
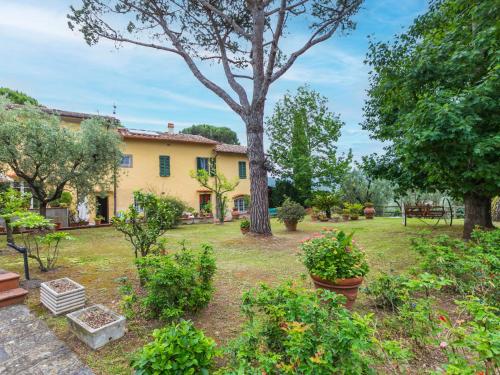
(232, 149)
(174, 137)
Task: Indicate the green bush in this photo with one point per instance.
(177, 283)
(291, 330)
(177, 206)
(291, 211)
(473, 266)
(245, 224)
(332, 255)
(147, 220)
(65, 200)
(388, 291)
(178, 349)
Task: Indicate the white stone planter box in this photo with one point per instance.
(59, 303)
(96, 337)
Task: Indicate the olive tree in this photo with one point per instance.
(246, 38)
(50, 158)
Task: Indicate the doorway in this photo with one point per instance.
(101, 208)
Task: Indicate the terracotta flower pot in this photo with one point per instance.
(57, 226)
(291, 226)
(245, 230)
(369, 212)
(235, 214)
(355, 217)
(97, 222)
(346, 287)
(345, 217)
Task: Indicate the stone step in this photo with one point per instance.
(8, 280)
(12, 297)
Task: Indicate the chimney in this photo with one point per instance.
(170, 128)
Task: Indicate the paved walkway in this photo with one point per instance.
(29, 347)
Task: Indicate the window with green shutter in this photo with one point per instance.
(164, 166)
(202, 163)
(242, 168)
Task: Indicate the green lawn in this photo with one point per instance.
(97, 257)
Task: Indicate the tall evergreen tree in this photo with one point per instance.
(303, 135)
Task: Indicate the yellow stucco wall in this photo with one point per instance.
(145, 171)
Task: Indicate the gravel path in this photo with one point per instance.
(28, 346)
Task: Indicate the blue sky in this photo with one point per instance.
(39, 55)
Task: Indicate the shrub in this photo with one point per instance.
(178, 349)
(65, 200)
(177, 283)
(147, 220)
(388, 291)
(291, 211)
(332, 255)
(41, 242)
(291, 330)
(245, 224)
(472, 342)
(354, 208)
(473, 267)
(177, 206)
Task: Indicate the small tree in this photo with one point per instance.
(11, 203)
(217, 133)
(218, 184)
(325, 200)
(39, 238)
(146, 221)
(51, 158)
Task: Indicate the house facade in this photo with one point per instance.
(161, 162)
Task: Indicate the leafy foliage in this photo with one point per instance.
(333, 255)
(12, 202)
(221, 134)
(147, 220)
(177, 283)
(291, 330)
(434, 97)
(388, 291)
(473, 267)
(178, 349)
(303, 134)
(38, 238)
(17, 97)
(51, 158)
(245, 224)
(358, 186)
(291, 211)
(218, 184)
(325, 201)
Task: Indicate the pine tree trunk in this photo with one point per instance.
(259, 206)
(477, 213)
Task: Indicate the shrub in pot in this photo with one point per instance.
(98, 219)
(345, 214)
(177, 349)
(290, 213)
(335, 218)
(369, 210)
(354, 210)
(335, 263)
(245, 226)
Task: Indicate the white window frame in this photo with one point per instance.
(240, 204)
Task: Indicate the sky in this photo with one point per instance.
(40, 56)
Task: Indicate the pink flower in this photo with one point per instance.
(443, 344)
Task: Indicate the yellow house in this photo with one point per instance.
(161, 162)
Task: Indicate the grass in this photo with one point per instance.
(97, 257)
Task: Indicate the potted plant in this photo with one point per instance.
(345, 214)
(98, 219)
(369, 210)
(290, 213)
(354, 210)
(235, 213)
(335, 263)
(245, 226)
(322, 217)
(314, 214)
(2, 229)
(335, 218)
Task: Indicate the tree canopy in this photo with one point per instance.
(246, 38)
(303, 135)
(434, 97)
(17, 97)
(217, 133)
(51, 158)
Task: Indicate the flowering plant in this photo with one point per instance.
(333, 255)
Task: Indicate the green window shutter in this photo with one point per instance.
(164, 166)
(198, 164)
(213, 167)
(242, 168)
